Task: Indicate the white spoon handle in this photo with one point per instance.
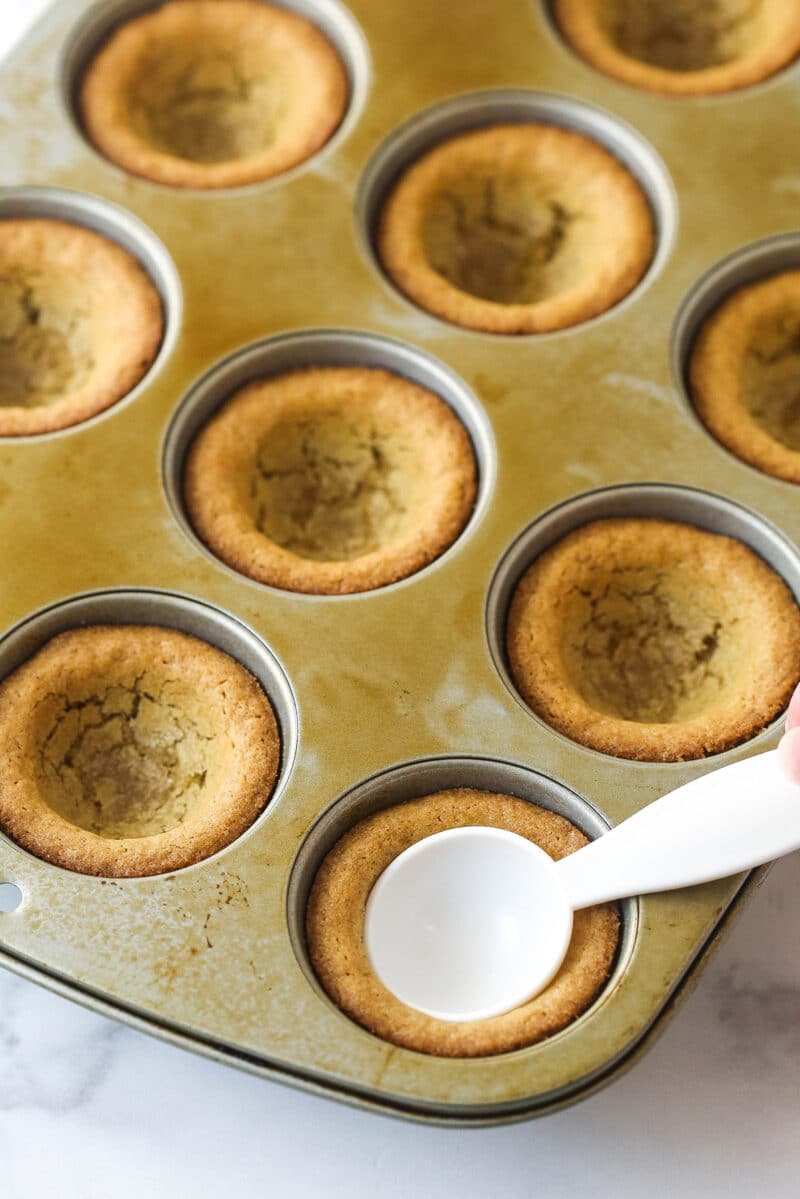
(724, 822)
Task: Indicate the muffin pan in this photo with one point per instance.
(402, 690)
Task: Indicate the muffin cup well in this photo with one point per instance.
(427, 776)
(706, 51)
(737, 432)
(664, 502)
(146, 853)
(323, 348)
(122, 229)
(330, 17)
(481, 110)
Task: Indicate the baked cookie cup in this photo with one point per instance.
(653, 640)
(132, 750)
(81, 323)
(744, 375)
(213, 93)
(522, 228)
(330, 480)
(683, 48)
(335, 927)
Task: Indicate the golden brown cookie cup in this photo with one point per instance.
(335, 924)
(80, 324)
(205, 94)
(744, 374)
(330, 480)
(132, 750)
(522, 228)
(653, 640)
(693, 50)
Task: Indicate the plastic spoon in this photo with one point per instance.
(474, 921)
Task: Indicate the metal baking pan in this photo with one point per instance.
(385, 694)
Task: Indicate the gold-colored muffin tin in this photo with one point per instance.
(391, 693)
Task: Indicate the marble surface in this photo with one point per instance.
(90, 1109)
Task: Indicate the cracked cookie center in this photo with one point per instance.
(330, 488)
(203, 107)
(496, 237)
(123, 764)
(683, 35)
(644, 646)
(770, 380)
(44, 347)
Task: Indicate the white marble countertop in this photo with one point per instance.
(92, 1110)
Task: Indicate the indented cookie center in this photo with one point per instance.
(496, 237)
(770, 380)
(645, 645)
(44, 347)
(330, 487)
(123, 763)
(203, 105)
(683, 35)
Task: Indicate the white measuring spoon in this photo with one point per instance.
(472, 922)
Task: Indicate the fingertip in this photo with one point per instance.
(793, 714)
(789, 754)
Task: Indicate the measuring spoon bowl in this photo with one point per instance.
(468, 923)
(472, 922)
